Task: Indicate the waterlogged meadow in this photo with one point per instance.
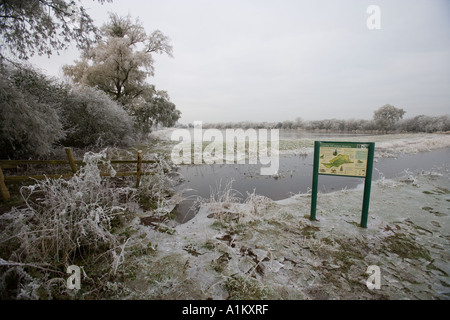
(302, 142)
(393, 155)
(248, 246)
(137, 243)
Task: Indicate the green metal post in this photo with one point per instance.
(367, 185)
(315, 180)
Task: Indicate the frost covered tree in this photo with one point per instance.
(387, 116)
(43, 26)
(121, 61)
(423, 123)
(29, 112)
(38, 112)
(155, 111)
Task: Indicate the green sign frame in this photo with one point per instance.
(349, 159)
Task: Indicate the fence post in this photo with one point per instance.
(139, 167)
(72, 163)
(4, 190)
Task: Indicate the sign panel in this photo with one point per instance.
(351, 159)
(343, 158)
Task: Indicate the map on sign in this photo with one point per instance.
(343, 159)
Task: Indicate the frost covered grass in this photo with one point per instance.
(225, 205)
(81, 221)
(387, 145)
(129, 247)
(263, 249)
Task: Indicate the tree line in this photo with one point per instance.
(386, 119)
(104, 97)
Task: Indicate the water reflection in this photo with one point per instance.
(295, 175)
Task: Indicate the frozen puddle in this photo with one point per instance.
(265, 249)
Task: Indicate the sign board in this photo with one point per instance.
(350, 159)
(343, 159)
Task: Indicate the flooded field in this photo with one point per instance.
(295, 175)
(261, 248)
(395, 156)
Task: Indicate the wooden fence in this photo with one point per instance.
(9, 164)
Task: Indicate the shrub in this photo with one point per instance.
(29, 120)
(37, 112)
(91, 117)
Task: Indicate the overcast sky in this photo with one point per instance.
(278, 60)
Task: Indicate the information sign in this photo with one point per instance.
(351, 159)
(343, 159)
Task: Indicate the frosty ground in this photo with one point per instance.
(129, 246)
(264, 249)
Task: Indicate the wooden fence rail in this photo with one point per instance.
(8, 164)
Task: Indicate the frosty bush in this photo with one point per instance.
(36, 112)
(63, 222)
(29, 120)
(91, 117)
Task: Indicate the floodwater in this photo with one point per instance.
(294, 174)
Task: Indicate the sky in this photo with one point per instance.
(257, 60)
